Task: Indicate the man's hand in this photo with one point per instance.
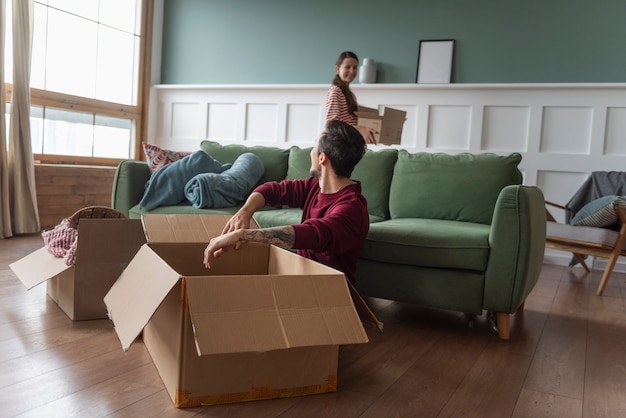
(222, 243)
(240, 220)
(282, 236)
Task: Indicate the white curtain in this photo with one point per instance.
(22, 215)
(5, 219)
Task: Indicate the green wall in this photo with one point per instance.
(297, 41)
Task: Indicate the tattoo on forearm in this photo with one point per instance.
(280, 236)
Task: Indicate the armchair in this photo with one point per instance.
(589, 240)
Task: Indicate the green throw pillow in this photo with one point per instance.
(461, 187)
(274, 158)
(599, 212)
(299, 165)
(374, 171)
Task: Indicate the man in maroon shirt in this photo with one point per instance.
(335, 220)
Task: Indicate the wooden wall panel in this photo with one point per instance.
(563, 131)
(63, 189)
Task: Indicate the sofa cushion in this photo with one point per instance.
(299, 163)
(184, 208)
(428, 243)
(274, 158)
(374, 171)
(462, 187)
(278, 217)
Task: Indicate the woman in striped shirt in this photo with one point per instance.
(340, 100)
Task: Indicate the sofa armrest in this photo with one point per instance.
(128, 184)
(517, 243)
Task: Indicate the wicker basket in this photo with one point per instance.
(96, 212)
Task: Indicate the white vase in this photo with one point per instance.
(367, 72)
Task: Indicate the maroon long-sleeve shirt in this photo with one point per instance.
(333, 227)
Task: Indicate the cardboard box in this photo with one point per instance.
(104, 249)
(262, 323)
(388, 125)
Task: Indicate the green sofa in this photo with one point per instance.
(456, 232)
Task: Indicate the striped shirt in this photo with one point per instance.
(337, 106)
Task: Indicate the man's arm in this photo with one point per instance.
(282, 236)
(241, 219)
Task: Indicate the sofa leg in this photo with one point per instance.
(504, 325)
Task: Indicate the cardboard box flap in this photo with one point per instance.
(283, 262)
(38, 267)
(137, 294)
(269, 312)
(184, 227)
(394, 121)
(369, 115)
(366, 109)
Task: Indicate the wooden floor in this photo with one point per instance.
(566, 358)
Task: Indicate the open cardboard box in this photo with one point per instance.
(388, 125)
(262, 323)
(105, 247)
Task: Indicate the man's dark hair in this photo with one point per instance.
(344, 146)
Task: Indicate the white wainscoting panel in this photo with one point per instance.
(222, 121)
(615, 131)
(563, 131)
(505, 128)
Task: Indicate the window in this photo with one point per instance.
(89, 67)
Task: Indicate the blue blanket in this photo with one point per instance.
(167, 184)
(228, 188)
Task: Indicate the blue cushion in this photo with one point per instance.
(599, 212)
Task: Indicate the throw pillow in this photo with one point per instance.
(157, 157)
(374, 172)
(460, 187)
(299, 163)
(599, 212)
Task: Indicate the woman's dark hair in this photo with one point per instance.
(345, 89)
(343, 144)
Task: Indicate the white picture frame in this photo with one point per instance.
(434, 62)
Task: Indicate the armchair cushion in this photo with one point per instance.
(599, 212)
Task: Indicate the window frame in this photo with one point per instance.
(136, 113)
